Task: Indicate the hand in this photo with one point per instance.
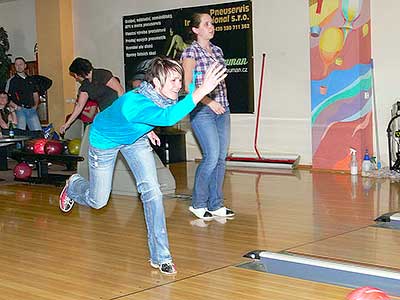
(63, 128)
(216, 107)
(154, 139)
(214, 75)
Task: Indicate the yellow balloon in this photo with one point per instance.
(365, 30)
(331, 40)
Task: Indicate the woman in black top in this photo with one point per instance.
(97, 84)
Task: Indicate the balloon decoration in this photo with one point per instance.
(330, 44)
(365, 30)
(350, 11)
(22, 171)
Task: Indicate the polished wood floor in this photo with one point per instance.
(89, 254)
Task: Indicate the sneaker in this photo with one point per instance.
(201, 213)
(66, 203)
(167, 268)
(222, 212)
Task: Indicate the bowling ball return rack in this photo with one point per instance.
(41, 162)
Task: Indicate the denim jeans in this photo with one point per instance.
(95, 192)
(212, 131)
(28, 116)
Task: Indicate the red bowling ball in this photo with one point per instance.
(38, 146)
(53, 147)
(367, 293)
(22, 171)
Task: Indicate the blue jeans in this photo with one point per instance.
(95, 192)
(28, 116)
(212, 131)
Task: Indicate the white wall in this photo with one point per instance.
(19, 20)
(385, 34)
(286, 107)
(280, 29)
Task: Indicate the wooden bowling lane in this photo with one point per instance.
(369, 246)
(237, 283)
(90, 254)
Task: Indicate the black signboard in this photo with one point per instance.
(165, 33)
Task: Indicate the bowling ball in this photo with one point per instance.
(53, 147)
(22, 171)
(38, 146)
(65, 146)
(74, 146)
(367, 293)
(29, 146)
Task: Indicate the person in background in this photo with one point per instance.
(140, 72)
(210, 121)
(89, 112)
(7, 114)
(24, 97)
(122, 127)
(99, 84)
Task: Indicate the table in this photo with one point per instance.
(6, 141)
(41, 161)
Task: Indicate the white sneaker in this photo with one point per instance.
(167, 268)
(222, 212)
(201, 213)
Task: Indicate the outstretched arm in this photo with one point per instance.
(79, 106)
(151, 114)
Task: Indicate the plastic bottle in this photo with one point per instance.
(11, 133)
(366, 164)
(354, 184)
(353, 162)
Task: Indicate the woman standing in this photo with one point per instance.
(122, 127)
(210, 121)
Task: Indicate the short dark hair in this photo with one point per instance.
(81, 66)
(3, 92)
(160, 67)
(21, 58)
